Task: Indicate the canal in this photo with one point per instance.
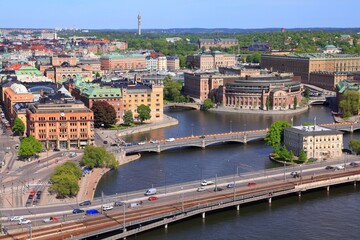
(316, 215)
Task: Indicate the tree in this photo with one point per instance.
(355, 146)
(144, 112)
(97, 75)
(349, 103)
(18, 127)
(128, 118)
(65, 180)
(208, 104)
(295, 102)
(172, 89)
(98, 157)
(302, 156)
(267, 104)
(29, 146)
(104, 113)
(275, 135)
(307, 93)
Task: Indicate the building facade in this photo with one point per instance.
(57, 61)
(217, 42)
(122, 62)
(328, 80)
(173, 63)
(206, 61)
(317, 142)
(200, 85)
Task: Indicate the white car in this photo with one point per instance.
(141, 143)
(107, 207)
(340, 167)
(170, 139)
(16, 218)
(205, 183)
(24, 221)
(200, 189)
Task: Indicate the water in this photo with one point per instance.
(288, 217)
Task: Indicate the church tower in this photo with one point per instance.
(139, 24)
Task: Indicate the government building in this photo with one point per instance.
(317, 142)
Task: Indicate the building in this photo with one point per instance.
(173, 63)
(328, 80)
(57, 61)
(151, 63)
(49, 35)
(65, 72)
(331, 49)
(113, 62)
(241, 71)
(217, 42)
(258, 47)
(210, 61)
(317, 142)
(253, 92)
(58, 121)
(162, 63)
(347, 85)
(303, 64)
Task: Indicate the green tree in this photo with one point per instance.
(128, 118)
(349, 103)
(18, 127)
(208, 103)
(29, 146)
(98, 157)
(267, 103)
(295, 102)
(144, 112)
(97, 75)
(172, 89)
(355, 146)
(307, 93)
(275, 135)
(104, 114)
(65, 180)
(302, 156)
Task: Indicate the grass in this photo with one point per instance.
(122, 127)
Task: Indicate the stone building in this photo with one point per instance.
(317, 142)
(123, 62)
(217, 42)
(210, 61)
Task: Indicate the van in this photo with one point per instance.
(150, 191)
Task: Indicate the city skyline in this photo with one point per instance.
(112, 14)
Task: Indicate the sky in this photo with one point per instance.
(164, 14)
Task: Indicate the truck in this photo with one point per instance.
(150, 191)
(205, 183)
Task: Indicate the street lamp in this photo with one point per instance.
(124, 209)
(192, 129)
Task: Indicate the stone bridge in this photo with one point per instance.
(183, 105)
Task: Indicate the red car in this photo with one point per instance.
(153, 198)
(251, 184)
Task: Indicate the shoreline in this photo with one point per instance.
(262, 112)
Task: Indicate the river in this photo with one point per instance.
(317, 215)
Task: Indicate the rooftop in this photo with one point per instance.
(312, 130)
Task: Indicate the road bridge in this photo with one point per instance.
(204, 141)
(183, 105)
(182, 203)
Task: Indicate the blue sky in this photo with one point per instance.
(122, 14)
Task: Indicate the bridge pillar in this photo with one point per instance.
(238, 207)
(328, 188)
(158, 150)
(203, 143)
(245, 139)
(270, 199)
(351, 128)
(203, 215)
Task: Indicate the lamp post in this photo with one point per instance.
(284, 170)
(230, 126)
(182, 199)
(192, 129)
(124, 209)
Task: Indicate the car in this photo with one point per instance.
(16, 218)
(114, 145)
(24, 221)
(153, 198)
(118, 204)
(329, 168)
(141, 143)
(202, 136)
(205, 183)
(154, 141)
(200, 189)
(92, 212)
(107, 207)
(218, 189)
(296, 175)
(56, 150)
(77, 210)
(354, 164)
(85, 203)
(105, 142)
(230, 185)
(251, 184)
(50, 219)
(170, 140)
(339, 167)
(63, 154)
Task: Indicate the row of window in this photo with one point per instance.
(63, 118)
(64, 125)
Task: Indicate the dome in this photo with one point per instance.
(19, 88)
(330, 46)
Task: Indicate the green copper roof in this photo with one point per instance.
(96, 92)
(28, 70)
(345, 85)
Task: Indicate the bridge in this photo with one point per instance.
(184, 201)
(317, 100)
(183, 105)
(211, 139)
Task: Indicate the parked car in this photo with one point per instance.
(118, 204)
(16, 218)
(218, 189)
(153, 198)
(205, 183)
(230, 185)
(251, 184)
(24, 221)
(77, 210)
(354, 164)
(200, 189)
(50, 219)
(85, 203)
